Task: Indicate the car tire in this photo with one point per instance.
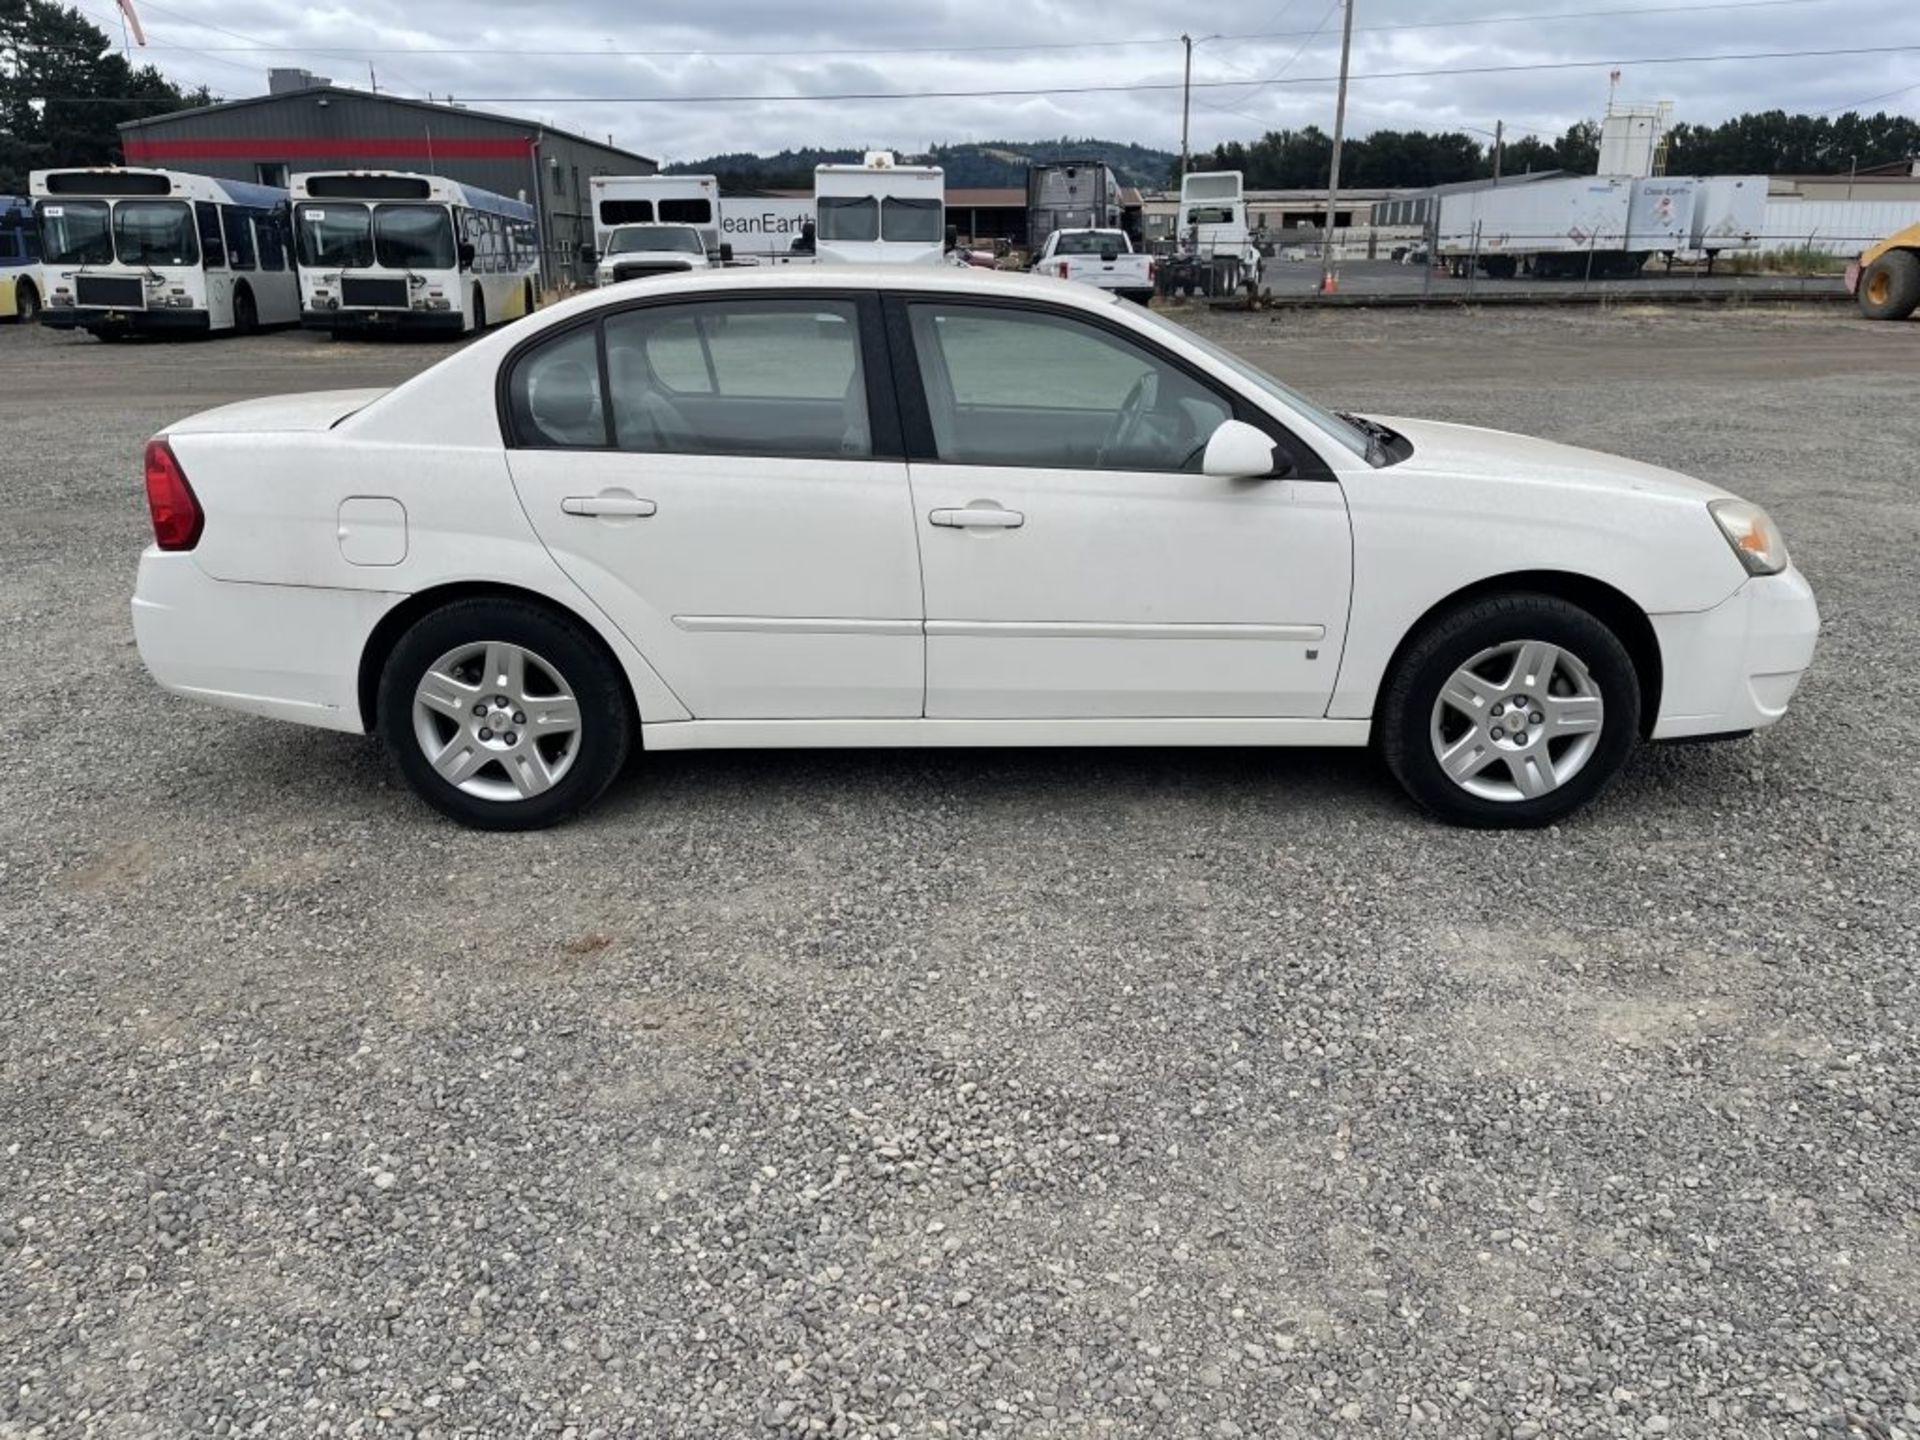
(514, 765)
(1445, 726)
(1889, 288)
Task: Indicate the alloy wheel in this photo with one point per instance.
(1517, 721)
(496, 721)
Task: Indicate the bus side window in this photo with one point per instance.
(213, 250)
(495, 242)
(9, 244)
(269, 236)
(239, 228)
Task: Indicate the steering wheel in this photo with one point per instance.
(1132, 415)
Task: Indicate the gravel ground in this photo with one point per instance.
(973, 1094)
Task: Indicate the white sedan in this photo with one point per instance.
(844, 507)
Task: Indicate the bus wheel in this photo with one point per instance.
(530, 301)
(246, 317)
(26, 302)
(479, 310)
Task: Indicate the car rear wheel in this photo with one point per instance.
(1510, 710)
(504, 715)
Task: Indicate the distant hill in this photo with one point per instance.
(990, 162)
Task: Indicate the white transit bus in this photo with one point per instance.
(19, 259)
(387, 250)
(135, 251)
(880, 211)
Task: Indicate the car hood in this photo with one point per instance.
(317, 410)
(1443, 449)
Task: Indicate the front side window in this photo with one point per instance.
(413, 237)
(746, 377)
(848, 217)
(154, 232)
(913, 220)
(76, 232)
(334, 236)
(1039, 389)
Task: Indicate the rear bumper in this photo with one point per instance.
(366, 322)
(288, 652)
(1735, 667)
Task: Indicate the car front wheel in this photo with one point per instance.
(1510, 710)
(504, 715)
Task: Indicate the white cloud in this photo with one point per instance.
(413, 47)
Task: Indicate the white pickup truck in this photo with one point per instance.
(639, 252)
(1104, 258)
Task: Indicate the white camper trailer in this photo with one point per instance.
(880, 210)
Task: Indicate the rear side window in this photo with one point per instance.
(553, 393)
(749, 377)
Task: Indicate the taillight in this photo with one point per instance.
(177, 517)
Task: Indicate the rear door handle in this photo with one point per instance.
(978, 518)
(607, 505)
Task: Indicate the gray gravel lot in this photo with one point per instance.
(973, 1094)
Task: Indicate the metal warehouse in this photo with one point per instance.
(305, 122)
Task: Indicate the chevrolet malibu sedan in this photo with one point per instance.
(847, 507)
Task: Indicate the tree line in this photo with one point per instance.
(65, 88)
(1767, 143)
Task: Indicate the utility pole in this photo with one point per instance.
(1499, 146)
(1186, 103)
(1329, 272)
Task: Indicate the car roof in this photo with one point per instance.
(919, 279)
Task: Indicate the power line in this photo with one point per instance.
(707, 52)
(1535, 67)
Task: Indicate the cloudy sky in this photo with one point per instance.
(586, 64)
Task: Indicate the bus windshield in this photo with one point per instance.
(903, 219)
(334, 234)
(414, 237)
(664, 237)
(155, 232)
(849, 217)
(75, 232)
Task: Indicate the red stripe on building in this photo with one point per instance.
(393, 147)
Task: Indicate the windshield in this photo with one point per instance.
(155, 232)
(673, 238)
(1091, 242)
(74, 232)
(414, 237)
(1344, 431)
(917, 220)
(849, 217)
(335, 235)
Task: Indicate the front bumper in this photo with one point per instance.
(167, 320)
(1733, 668)
(288, 652)
(371, 322)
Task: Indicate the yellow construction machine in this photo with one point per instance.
(1886, 277)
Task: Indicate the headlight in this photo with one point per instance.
(1753, 535)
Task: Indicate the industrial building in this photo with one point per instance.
(305, 122)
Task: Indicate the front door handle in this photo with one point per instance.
(979, 517)
(607, 505)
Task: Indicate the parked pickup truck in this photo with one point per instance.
(1104, 258)
(639, 252)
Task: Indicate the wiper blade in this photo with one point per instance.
(1378, 435)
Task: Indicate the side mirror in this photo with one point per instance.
(1238, 451)
(726, 253)
(588, 255)
(953, 237)
(466, 254)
